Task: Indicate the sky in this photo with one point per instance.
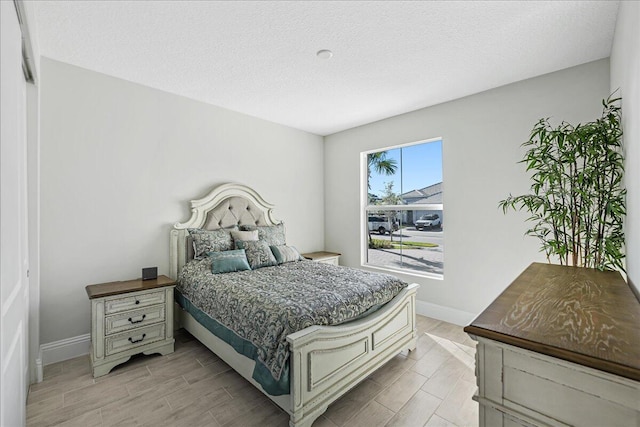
(419, 165)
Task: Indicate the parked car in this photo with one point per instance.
(381, 224)
(428, 222)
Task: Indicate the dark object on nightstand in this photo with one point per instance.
(149, 273)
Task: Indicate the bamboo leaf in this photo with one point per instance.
(577, 203)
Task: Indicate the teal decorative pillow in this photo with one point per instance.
(274, 235)
(205, 241)
(285, 254)
(258, 253)
(228, 261)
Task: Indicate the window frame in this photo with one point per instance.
(365, 207)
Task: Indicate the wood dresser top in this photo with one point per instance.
(117, 288)
(577, 314)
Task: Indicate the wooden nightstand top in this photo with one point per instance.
(320, 255)
(116, 288)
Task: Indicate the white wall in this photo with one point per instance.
(625, 76)
(484, 249)
(120, 162)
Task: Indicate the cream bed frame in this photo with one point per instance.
(325, 361)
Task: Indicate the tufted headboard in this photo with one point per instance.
(225, 206)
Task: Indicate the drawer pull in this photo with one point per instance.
(138, 321)
(132, 341)
(137, 302)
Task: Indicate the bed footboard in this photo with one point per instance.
(327, 361)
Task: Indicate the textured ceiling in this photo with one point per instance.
(259, 58)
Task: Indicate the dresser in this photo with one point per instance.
(560, 346)
(325, 257)
(130, 317)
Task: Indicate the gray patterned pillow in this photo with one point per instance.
(205, 241)
(285, 254)
(248, 227)
(274, 235)
(257, 252)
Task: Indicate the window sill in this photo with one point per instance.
(404, 271)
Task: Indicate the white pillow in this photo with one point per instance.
(244, 235)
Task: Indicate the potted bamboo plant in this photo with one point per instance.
(577, 199)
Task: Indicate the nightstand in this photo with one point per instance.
(128, 318)
(325, 257)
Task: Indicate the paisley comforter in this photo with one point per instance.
(263, 306)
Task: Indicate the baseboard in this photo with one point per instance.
(65, 349)
(78, 346)
(440, 312)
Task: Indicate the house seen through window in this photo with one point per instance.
(403, 209)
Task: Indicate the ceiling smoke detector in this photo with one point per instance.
(324, 54)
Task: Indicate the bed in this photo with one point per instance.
(322, 362)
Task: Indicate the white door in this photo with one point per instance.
(14, 295)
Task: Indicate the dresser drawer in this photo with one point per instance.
(132, 301)
(566, 392)
(134, 319)
(134, 338)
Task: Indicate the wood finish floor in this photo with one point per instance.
(431, 386)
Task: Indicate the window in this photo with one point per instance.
(403, 209)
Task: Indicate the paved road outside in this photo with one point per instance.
(430, 260)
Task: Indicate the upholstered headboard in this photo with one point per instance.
(225, 206)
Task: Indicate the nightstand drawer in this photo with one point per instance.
(134, 338)
(333, 261)
(116, 305)
(133, 319)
